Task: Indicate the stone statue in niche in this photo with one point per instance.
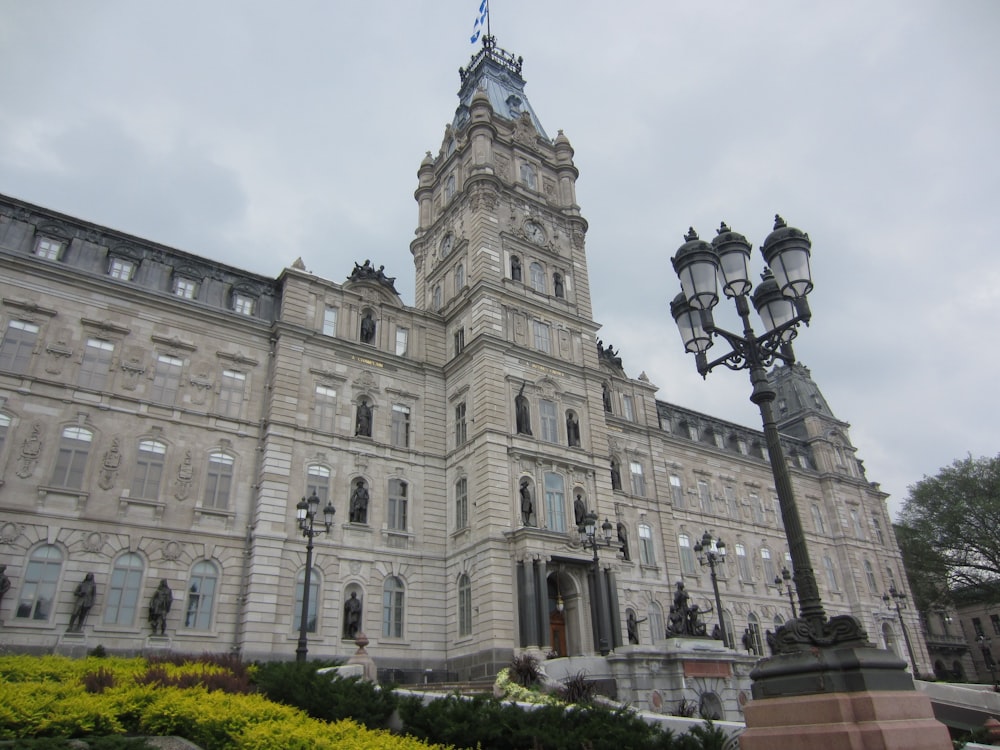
(527, 504)
(83, 599)
(616, 475)
(109, 468)
(352, 616)
(359, 503)
(30, 449)
(557, 286)
(515, 268)
(522, 412)
(572, 430)
(623, 540)
(363, 425)
(579, 510)
(606, 397)
(367, 329)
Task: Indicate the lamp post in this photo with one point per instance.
(590, 540)
(305, 512)
(786, 579)
(712, 552)
(984, 646)
(899, 599)
(780, 301)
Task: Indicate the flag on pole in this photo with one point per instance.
(477, 27)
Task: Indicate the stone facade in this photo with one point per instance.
(161, 415)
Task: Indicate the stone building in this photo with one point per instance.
(161, 414)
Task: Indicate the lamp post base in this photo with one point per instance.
(839, 698)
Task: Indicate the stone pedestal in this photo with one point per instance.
(362, 658)
(839, 698)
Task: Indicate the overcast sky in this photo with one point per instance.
(256, 132)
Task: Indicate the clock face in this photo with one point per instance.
(446, 244)
(534, 232)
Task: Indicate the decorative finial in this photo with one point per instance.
(779, 222)
(723, 228)
(691, 235)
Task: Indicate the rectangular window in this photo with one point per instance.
(777, 512)
(676, 491)
(185, 288)
(743, 563)
(460, 428)
(330, 321)
(831, 574)
(166, 380)
(704, 495)
(402, 341)
(768, 565)
(542, 337)
(555, 502)
(995, 621)
(549, 420)
(318, 482)
(74, 447)
(148, 469)
(638, 480)
(325, 408)
(757, 507)
(731, 502)
(96, 364)
(243, 304)
(977, 625)
(4, 428)
(397, 505)
(459, 341)
(218, 481)
(462, 503)
(877, 527)
(464, 606)
(646, 555)
(231, 392)
(18, 343)
(628, 409)
(121, 269)
(48, 249)
(400, 426)
(688, 566)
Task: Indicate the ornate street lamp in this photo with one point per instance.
(712, 552)
(305, 512)
(786, 579)
(899, 599)
(590, 540)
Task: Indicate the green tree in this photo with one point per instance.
(949, 530)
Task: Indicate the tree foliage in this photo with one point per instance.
(950, 530)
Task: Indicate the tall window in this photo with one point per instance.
(459, 341)
(397, 505)
(818, 521)
(218, 481)
(757, 507)
(41, 576)
(768, 565)
(536, 276)
(731, 502)
(859, 529)
(555, 501)
(464, 605)
(121, 269)
(300, 581)
(753, 631)
(74, 447)
(459, 277)
(4, 429)
(877, 527)
(436, 298)
(392, 607)
(318, 481)
(676, 491)
(656, 626)
(18, 343)
(400, 426)
(628, 408)
(460, 429)
(831, 574)
(329, 321)
(325, 408)
(167, 379)
(48, 249)
(776, 504)
(743, 563)
(688, 566)
(148, 469)
(543, 337)
(461, 503)
(638, 480)
(96, 364)
(704, 495)
(870, 577)
(549, 420)
(201, 596)
(529, 176)
(185, 288)
(231, 392)
(122, 599)
(646, 554)
(402, 341)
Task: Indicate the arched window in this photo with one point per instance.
(555, 501)
(74, 447)
(318, 481)
(393, 593)
(889, 638)
(218, 480)
(300, 581)
(449, 187)
(464, 605)
(537, 277)
(41, 577)
(201, 596)
(149, 459)
(122, 599)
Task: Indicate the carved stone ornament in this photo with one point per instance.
(57, 355)
(9, 532)
(172, 551)
(185, 474)
(804, 635)
(502, 166)
(30, 448)
(132, 369)
(93, 542)
(110, 465)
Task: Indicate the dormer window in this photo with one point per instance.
(243, 304)
(48, 248)
(121, 269)
(185, 288)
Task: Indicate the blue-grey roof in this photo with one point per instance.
(498, 73)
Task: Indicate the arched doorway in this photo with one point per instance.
(710, 707)
(563, 609)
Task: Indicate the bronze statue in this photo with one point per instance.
(352, 616)
(159, 606)
(522, 413)
(623, 540)
(579, 510)
(515, 268)
(616, 475)
(363, 426)
(84, 593)
(572, 430)
(359, 503)
(367, 329)
(527, 505)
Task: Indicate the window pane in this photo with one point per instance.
(200, 596)
(397, 505)
(325, 408)
(166, 380)
(330, 321)
(549, 420)
(638, 480)
(464, 606)
(123, 590)
(96, 364)
(461, 503)
(402, 340)
(148, 469)
(41, 576)
(18, 343)
(392, 608)
(400, 426)
(231, 392)
(555, 501)
(74, 447)
(218, 481)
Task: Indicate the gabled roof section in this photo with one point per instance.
(497, 73)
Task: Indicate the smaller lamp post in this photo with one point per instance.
(984, 646)
(899, 599)
(786, 579)
(590, 540)
(712, 552)
(305, 512)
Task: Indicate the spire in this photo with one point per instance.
(497, 73)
